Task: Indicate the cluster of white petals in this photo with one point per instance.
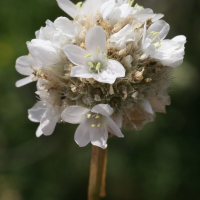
(108, 68)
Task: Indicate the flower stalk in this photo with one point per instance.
(97, 178)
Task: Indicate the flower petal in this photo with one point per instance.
(99, 136)
(65, 25)
(113, 71)
(103, 109)
(75, 54)
(39, 131)
(105, 77)
(43, 52)
(82, 134)
(116, 68)
(159, 26)
(37, 111)
(49, 121)
(24, 81)
(69, 7)
(180, 40)
(126, 34)
(90, 6)
(47, 32)
(148, 47)
(24, 64)
(114, 16)
(126, 10)
(80, 71)
(113, 128)
(157, 17)
(75, 114)
(95, 37)
(106, 8)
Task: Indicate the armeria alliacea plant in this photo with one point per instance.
(108, 68)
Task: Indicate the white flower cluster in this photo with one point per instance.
(108, 68)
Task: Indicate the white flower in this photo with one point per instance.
(44, 112)
(169, 52)
(46, 115)
(111, 11)
(43, 52)
(60, 33)
(94, 124)
(93, 62)
(126, 34)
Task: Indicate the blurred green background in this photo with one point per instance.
(161, 162)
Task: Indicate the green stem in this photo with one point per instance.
(96, 187)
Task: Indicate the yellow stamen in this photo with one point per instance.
(97, 117)
(154, 33)
(93, 125)
(131, 2)
(99, 125)
(98, 66)
(88, 116)
(136, 5)
(98, 50)
(159, 40)
(105, 124)
(106, 56)
(79, 4)
(91, 65)
(153, 42)
(141, 8)
(89, 55)
(158, 46)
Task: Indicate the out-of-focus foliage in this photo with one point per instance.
(161, 162)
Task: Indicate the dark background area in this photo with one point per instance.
(161, 162)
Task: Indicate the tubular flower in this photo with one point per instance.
(108, 68)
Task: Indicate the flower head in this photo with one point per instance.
(108, 68)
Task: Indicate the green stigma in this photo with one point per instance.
(93, 125)
(99, 125)
(97, 117)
